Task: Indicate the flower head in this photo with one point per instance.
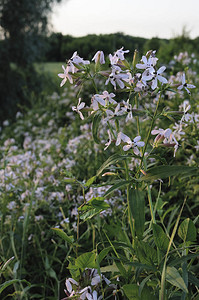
(99, 57)
(185, 85)
(65, 75)
(77, 108)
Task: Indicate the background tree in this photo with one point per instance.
(23, 25)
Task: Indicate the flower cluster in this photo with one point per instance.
(125, 77)
(91, 291)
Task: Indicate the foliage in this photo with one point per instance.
(114, 223)
(23, 24)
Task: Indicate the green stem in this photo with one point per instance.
(137, 117)
(128, 204)
(94, 84)
(149, 132)
(151, 205)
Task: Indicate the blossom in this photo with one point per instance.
(77, 108)
(109, 140)
(69, 285)
(130, 144)
(134, 144)
(109, 97)
(167, 137)
(118, 55)
(148, 60)
(96, 100)
(155, 76)
(146, 63)
(77, 60)
(110, 114)
(185, 85)
(65, 76)
(127, 109)
(99, 57)
(122, 137)
(116, 77)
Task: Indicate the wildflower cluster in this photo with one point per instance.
(133, 95)
(93, 290)
(137, 80)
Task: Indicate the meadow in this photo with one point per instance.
(99, 182)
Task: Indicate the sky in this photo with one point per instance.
(142, 18)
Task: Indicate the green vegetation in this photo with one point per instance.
(70, 209)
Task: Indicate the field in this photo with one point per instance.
(100, 183)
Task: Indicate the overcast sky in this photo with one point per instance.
(143, 18)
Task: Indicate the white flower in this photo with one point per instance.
(109, 142)
(109, 97)
(96, 100)
(116, 77)
(77, 60)
(118, 55)
(185, 85)
(146, 63)
(68, 284)
(167, 136)
(99, 57)
(77, 108)
(134, 144)
(130, 144)
(110, 114)
(155, 76)
(65, 76)
(127, 109)
(122, 137)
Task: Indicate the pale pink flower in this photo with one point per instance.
(117, 77)
(185, 85)
(77, 108)
(155, 76)
(99, 57)
(65, 76)
(118, 55)
(108, 142)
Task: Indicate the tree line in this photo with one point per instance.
(59, 47)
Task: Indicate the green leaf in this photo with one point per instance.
(63, 235)
(160, 238)
(90, 181)
(116, 186)
(193, 279)
(161, 172)
(4, 285)
(90, 214)
(182, 259)
(112, 160)
(93, 207)
(187, 230)
(173, 277)
(103, 253)
(99, 203)
(95, 126)
(132, 292)
(111, 268)
(86, 260)
(137, 205)
(146, 253)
